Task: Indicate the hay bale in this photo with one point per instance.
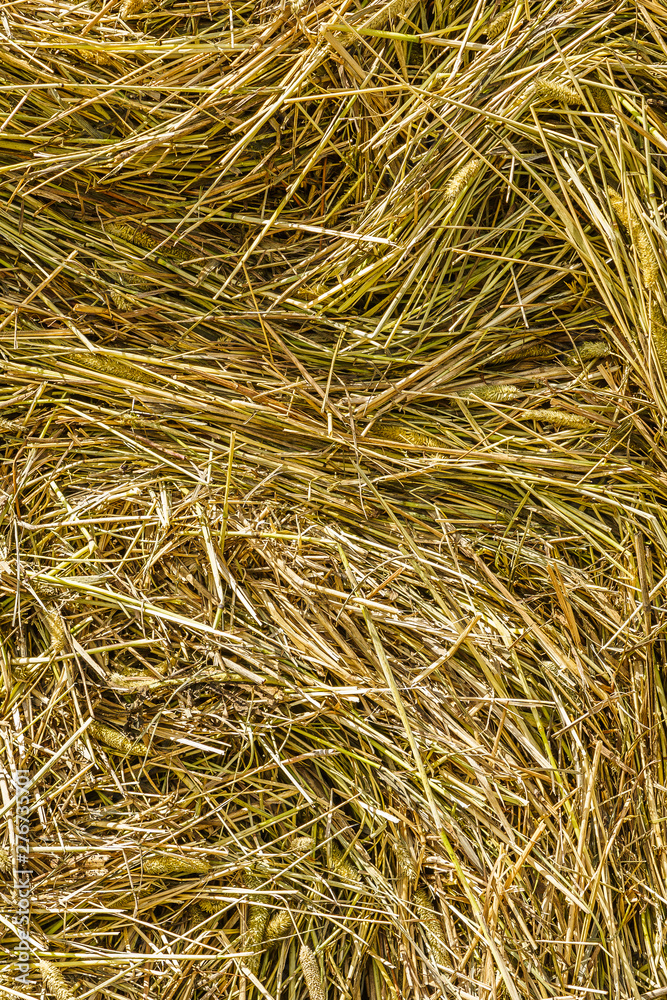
(332, 397)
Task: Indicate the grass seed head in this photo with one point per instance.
(279, 925)
(212, 905)
(498, 25)
(171, 864)
(258, 920)
(98, 56)
(641, 242)
(490, 393)
(458, 183)
(121, 302)
(196, 914)
(311, 973)
(431, 923)
(404, 861)
(109, 366)
(341, 865)
(54, 981)
(555, 91)
(393, 9)
(132, 8)
(56, 628)
(405, 435)
(659, 338)
(602, 99)
(112, 738)
(528, 351)
(303, 845)
(560, 418)
(128, 900)
(590, 350)
(141, 238)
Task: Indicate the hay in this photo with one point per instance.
(333, 491)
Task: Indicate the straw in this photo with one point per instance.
(333, 547)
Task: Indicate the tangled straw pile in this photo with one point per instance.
(334, 546)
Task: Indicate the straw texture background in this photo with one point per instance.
(333, 547)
